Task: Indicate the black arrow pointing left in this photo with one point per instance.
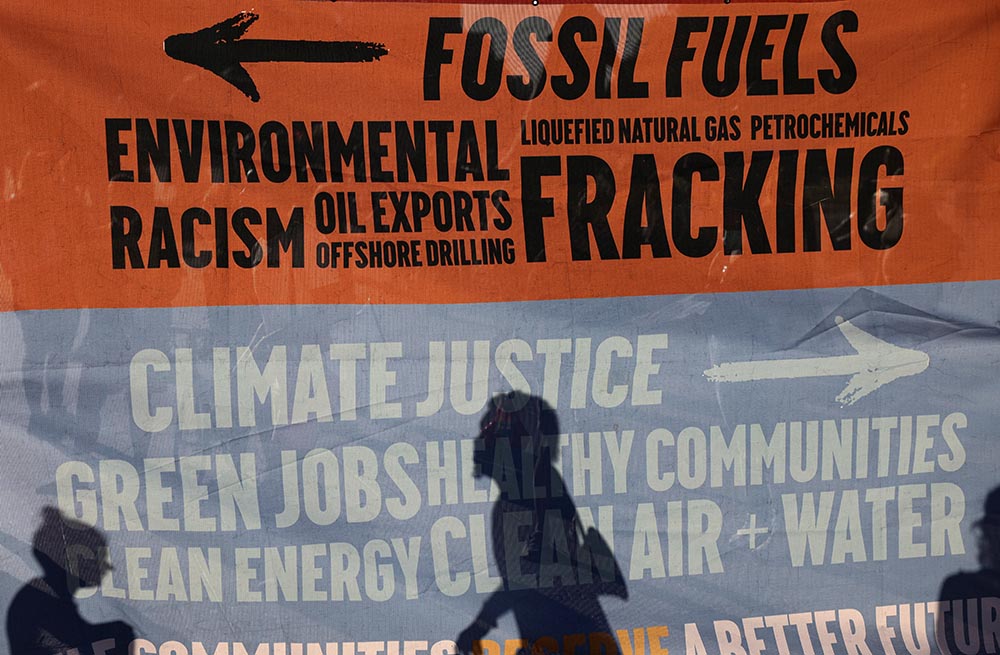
(220, 49)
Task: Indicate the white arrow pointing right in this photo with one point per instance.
(876, 363)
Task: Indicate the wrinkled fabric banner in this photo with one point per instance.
(406, 329)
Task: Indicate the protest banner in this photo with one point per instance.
(405, 328)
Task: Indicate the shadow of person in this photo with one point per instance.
(553, 572)
(43, 618)
(968, 623)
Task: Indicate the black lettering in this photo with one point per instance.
(441, 129)
(534, 206)
(443, 216)
(759, 51)
(411, 152)
(795, 85)
(575, 61)
(528, 89)
(644, 190)
(505, 220)
(468, 160)
(833, 200)
(162, 242)
(152, 149)
(126, 228)
(274, 136)
(831, 82)
(463, 212)
(871, 195)
(721, 88)
(684, 170)
(606, 60)
(202, 258)
(741, 203)
(627, 86)
(494, 59)
(113, 127)
(221, 238)
(784, 205)
(215, 157)
(309, 150)
(377, 151)
(680, 52)
(189, 148)
(241, 144)
(284, 238)
(254, 254)
(341, 151)
(436, 55)
(493, 170)
(593, 214)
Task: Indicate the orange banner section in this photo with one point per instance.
(165, 154)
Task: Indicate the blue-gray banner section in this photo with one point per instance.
(796, 471)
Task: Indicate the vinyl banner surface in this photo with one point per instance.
(426, 329)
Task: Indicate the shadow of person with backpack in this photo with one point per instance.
(553, 572)
(968, 625)
(43, 618)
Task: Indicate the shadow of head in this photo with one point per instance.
(988, 531)
(70, 550)
(516, 432)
